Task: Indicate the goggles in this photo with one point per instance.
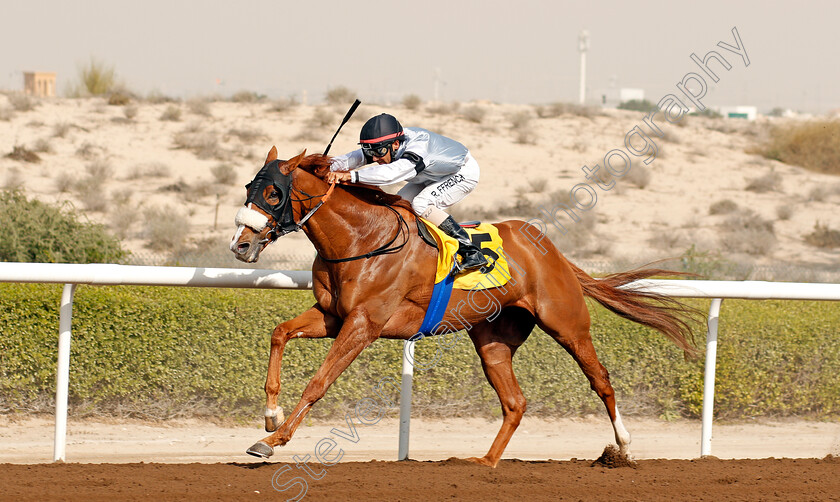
(379, 150)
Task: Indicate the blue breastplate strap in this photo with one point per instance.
(437, 305)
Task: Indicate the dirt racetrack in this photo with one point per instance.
(134, 460)
(671, 480)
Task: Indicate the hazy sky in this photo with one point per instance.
(518, 52)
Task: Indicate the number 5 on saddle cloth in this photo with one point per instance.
(487, 238)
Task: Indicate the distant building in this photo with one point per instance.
(739, 112)
(613, 97)
(40, 84)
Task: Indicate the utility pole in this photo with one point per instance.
(583, 46)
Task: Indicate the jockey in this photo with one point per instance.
(438, 172)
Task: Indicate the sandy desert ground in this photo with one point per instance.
(130, 172)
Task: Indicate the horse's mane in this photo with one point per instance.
(319, 165)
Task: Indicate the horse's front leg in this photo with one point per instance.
(313, 323)
(357, 332)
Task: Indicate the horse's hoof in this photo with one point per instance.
(260, 449)
(481, 461)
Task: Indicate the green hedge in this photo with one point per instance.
(162, 352)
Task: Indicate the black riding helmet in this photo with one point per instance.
(378, 134)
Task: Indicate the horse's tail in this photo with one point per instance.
(653, 310)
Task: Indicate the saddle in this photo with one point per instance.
(428, 238)
(497, 274)
(486, 237)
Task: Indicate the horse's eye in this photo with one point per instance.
(272, 194)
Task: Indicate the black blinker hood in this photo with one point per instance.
(281, 212)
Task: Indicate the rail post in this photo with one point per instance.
(709, 378)
(405, 398)
(62, 377)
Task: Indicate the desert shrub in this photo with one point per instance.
(769, 182)
(747, 232)
(89, 151)
(784, 212)
(200, 107)
(813, 145)
(13, 179)
(520, 119)
(823, 192)
(204, 144)
(578, 233)
(818, 193)
(521, 123)
(823, 237)
(149, 170)
(558, 109)
(443, 108)
(125, 213)
(38, 232)
(671, 137)
(130, 112)
(95, 79)
(668, 239)
(246, 97)
(412, 101)
(340, 95)
(283, 105)
(21, 102)
(321, 117)
(90, 192)
(23, 154)
(119, 98)
(194, 193)
(224, 174)
(172, 113)
(64, 181)
(42, 145)
(99, 169)
(637, 105)
(157, 97)
(724, 206)
(474, 113)
(538, 185)
(165, 228)
(247, 135)
(6, 113)
(638, 176)
(707, 112)
(61, 129)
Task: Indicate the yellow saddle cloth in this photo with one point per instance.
(486, 237)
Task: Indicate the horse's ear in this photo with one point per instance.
(272, 155)
(291, 164)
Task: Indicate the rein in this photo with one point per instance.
(383, 249)
(274, 233)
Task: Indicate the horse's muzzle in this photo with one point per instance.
(247, 245)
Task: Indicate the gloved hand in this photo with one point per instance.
(339, 164)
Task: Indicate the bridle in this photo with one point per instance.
(281, 217)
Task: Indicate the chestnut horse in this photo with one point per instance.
(384, 294)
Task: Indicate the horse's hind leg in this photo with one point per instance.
(496, 343)
(313, 323)
(570, 328)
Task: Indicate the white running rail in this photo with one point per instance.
(106, 274)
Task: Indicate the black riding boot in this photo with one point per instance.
(471, 255)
